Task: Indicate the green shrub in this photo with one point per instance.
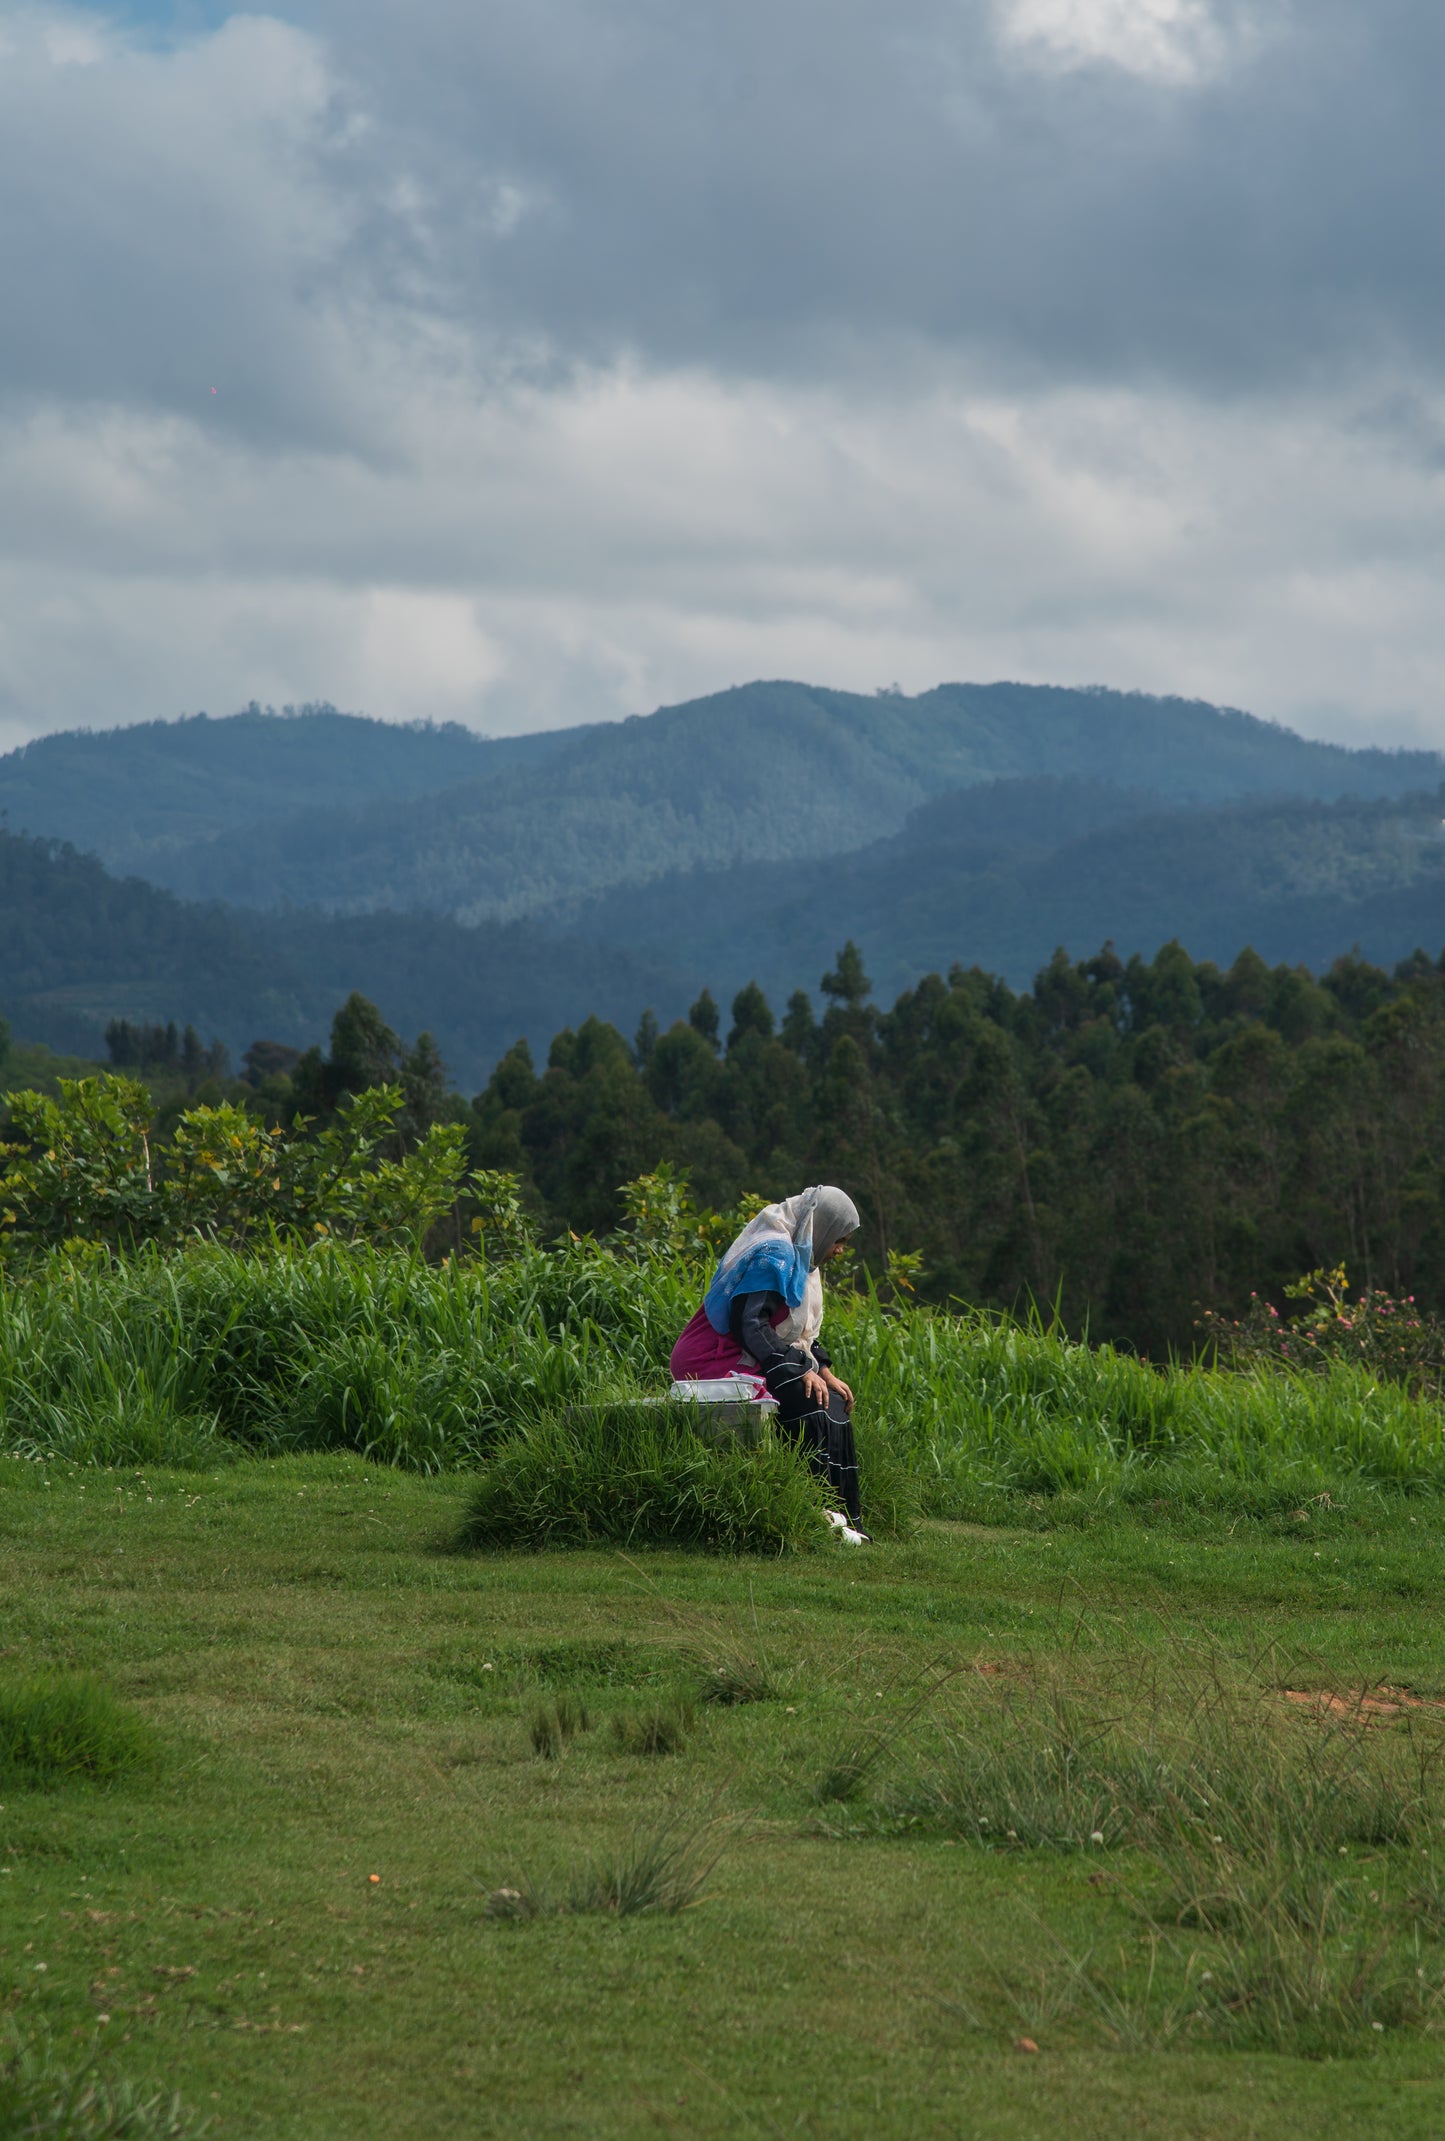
(59, 1727)
(632, 1475)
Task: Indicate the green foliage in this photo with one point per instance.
(161, 1048)
(659, 1219)
(184, 1358)
(641, 1475)
(1396, 1340)
(84, 1169)
(500, 1221)
(87, 1170)
(847, 984)
(64, 1728)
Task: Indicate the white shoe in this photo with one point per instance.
(836, 1518)
(853, 1538)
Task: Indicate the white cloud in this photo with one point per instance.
(547, 555)
(1170, 40)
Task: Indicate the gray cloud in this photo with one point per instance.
(806, 184)
(579, 354)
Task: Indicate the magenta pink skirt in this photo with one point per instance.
(703, 1354)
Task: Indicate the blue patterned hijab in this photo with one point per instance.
(780, 1250)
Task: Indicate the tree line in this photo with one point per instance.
(1132, 1142)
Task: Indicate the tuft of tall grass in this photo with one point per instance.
(984, 1408)
(657, 1728)
(731, 1678)
(43, 2099)
(663, 1868)
(59, 1728)
(634, 1475)
(554, 1723)
(1176, 1754)
(729, 1664)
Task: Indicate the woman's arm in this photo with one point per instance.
(752, 1326)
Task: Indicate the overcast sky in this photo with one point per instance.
(534, 361)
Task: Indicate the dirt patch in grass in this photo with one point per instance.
(1368, 1705)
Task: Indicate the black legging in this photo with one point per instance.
(823, 1432)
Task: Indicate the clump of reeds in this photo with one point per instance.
(58, 1728)
(662, 1869)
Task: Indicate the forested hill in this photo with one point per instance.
(993, 877)
(767, 772)
(79, 948)
(134, 795)
(1000, 875)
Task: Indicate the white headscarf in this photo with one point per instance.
(812, 1224)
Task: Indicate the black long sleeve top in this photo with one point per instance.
(751, 1324)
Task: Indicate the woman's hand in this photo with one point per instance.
(835, 1382)
(815, 1390)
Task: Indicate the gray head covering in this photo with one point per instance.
(813, 1222)
(835, 1217)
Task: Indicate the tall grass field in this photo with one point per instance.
(405, 1730)
(196, 1359)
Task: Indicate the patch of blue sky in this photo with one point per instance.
(180, 18)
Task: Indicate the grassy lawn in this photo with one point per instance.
(286, 1920)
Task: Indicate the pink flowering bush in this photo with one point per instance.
(1394, 1339)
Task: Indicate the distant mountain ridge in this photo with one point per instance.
(615, 867)
(135, 795)
(325, 810)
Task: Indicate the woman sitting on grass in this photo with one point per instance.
(760, 1320)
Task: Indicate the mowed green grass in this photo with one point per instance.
(313, 1663)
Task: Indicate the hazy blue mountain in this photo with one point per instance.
(79, 947)
(998, 876)
(769, 772)
(606, 868)
(134, 795)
